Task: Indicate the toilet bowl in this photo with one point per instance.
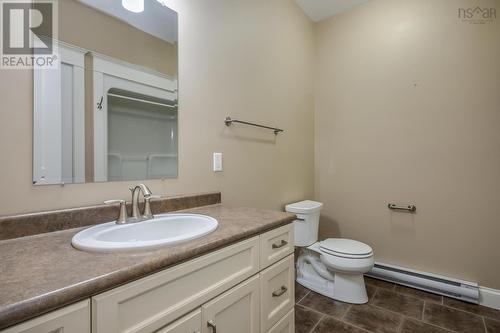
(333, 267)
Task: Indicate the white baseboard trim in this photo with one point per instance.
(489, 297)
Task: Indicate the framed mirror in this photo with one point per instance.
(109, 111)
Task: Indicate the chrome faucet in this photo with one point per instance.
(146, 192)
(136, 215)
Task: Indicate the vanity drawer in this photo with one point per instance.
(155, 301)
(285, 324)
(277, 288)
(190, 323)
(275, 245)
(73, 318)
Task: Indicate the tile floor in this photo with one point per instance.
(391, 309)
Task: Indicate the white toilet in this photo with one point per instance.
(333, 267)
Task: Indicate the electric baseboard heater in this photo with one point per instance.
(462, 290)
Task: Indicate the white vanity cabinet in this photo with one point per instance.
(226, 291)
(152, 302)
(74, 318)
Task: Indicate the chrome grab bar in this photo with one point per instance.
(408, 208)
(228, 121)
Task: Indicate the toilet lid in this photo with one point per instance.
(304, 207)
(345, 247)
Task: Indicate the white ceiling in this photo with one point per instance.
(319, 10)
(156, 19)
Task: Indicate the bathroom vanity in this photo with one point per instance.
(240, 278)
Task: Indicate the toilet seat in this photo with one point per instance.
(345, 248)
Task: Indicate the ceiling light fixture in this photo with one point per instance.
(134, 6)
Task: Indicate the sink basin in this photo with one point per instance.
(163, 230)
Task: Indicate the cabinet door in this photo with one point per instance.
(237, 310)
(285, 324)
(190, 323)
(72, 318)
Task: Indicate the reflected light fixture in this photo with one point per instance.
(134, 6)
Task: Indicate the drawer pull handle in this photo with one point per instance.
(280, 292)
(212, 325)
(277, 246)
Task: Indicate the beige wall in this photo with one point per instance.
(248, 59)
(408, 111)
(93, 30)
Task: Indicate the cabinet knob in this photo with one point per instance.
(212, 325)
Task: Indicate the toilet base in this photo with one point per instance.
(317, 284)
(343, 287)
(350, 288)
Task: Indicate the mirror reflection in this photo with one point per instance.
(109, 112)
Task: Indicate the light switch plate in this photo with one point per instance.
(217, 162)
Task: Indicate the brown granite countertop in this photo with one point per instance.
(44, 272)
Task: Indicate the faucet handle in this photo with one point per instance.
(147, 206)
(114, 201)
(123, 216)
(147, 215)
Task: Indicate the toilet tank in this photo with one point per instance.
(307, 223)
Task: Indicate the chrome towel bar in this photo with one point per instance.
(228, 121)
(408, 208)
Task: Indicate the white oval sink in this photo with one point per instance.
(163, 230)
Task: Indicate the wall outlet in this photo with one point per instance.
(217, 162)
